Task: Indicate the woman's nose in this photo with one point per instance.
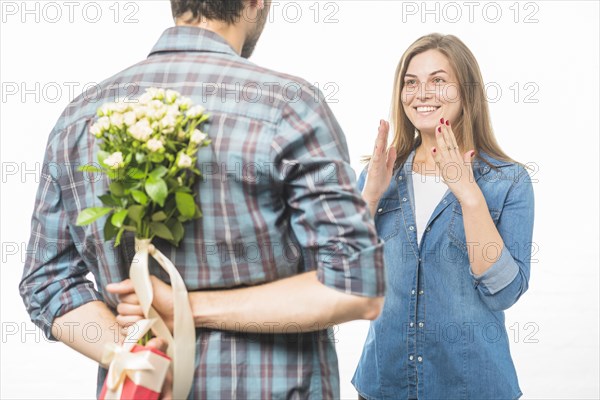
(424, 92)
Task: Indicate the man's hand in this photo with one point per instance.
(129, 308)
(167, 389)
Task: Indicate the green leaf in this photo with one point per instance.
(135, 173)
(89, 215)
(110, 201)
(136, 213)
(198, 213)
(156, 157)
(158, 172)
(185, 204)
(140, 158)
(161, 230)
(159, 216)
(89, 168)
(119, 234)
(157, 190)
(117, 189)
(177, 230)
(102, 155)
(118, 218)
(109, 230)
(140, 197)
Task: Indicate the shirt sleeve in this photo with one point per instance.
(327, 213)
(507, 279)
(54, 277)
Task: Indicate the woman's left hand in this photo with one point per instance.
(456, 168)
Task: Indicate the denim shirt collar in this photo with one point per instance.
(403, 187)
(191, 39)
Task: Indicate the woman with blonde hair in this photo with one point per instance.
(456, 214)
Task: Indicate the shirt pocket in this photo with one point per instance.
(456, 231)
(387, 218)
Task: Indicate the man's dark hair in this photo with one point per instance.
(220, 10)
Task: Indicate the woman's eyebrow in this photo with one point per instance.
(433, 73)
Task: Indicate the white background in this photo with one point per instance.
(554, 334)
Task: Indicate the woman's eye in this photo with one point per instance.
(438, 80)
(410, 82)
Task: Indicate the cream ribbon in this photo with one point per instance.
(144, 368)
(182, 344)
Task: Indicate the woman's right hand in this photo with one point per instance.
(380, 168)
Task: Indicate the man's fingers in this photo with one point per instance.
(129, 298)
(123, 287)
(129, 309)
(126, 320)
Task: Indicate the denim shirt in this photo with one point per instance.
(441, 334)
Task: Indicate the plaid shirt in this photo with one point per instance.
(278, 198)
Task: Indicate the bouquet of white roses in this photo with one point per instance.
(148, 151)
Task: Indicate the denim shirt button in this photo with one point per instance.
(420, 359)
(380, 210)
(411, 324)
(412, 291)
(412, 228)
(420, 292)
(400, 177)
(404, 199)
(428, 229)
(411, 357)
(420, 324)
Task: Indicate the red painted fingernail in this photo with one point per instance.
(442, 121)
(472, 153)
(439, 129)
(447, 123)
(434, 150)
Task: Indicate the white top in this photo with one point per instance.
(428, 191)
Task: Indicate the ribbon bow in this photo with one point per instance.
(144, 368)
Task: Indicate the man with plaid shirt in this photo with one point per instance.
(285, 248)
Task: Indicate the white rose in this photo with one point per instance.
(107, 108)
(103, 123)
(184, 103)
(154, 145)
(140, 112)
(129, 118)
(185, 161)
(145, 98)
(173, 110)
(155, 93)
(96, 130)
(120, 106)
(168, 123)
(171, 96)
(141, 130)
(116, 119)
(198, 137)
(195, 111)
(115, 160)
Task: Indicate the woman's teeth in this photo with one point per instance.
(426, 109)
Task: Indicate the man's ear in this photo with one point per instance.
(260, 4)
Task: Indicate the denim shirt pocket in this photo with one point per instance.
(456, 230)
(387, 218)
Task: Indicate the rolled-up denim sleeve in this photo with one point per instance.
(328, 216)
(507, 279)
(54, 276)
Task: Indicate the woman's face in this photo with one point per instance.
(430, 91)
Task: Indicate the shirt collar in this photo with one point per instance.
(191, 39)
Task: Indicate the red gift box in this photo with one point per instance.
(132, 391)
